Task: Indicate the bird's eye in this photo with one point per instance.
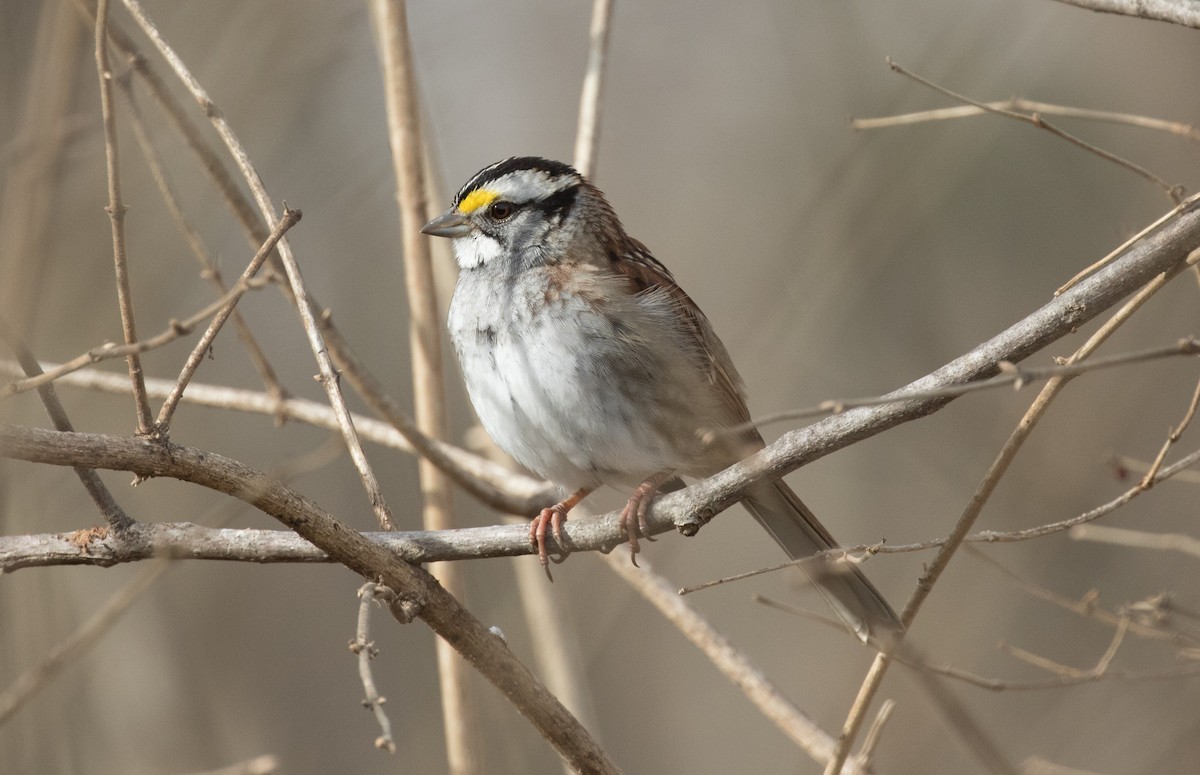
(501, 211)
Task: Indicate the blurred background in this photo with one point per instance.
(834, 264)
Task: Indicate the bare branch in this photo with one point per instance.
(304, 304)
(1120, 249)
(1182, 12)
(116, 214)
(1057, 318)
(1087, 607)
(175, 330)
(1010, 375)
(1172, 439)
(1035, 119)
(429, 384)
(491, 483)
(1176, 470)
(731, 661)
(1123, 465)
(995, 472)
(106, 617)
(1175, 542)
(1186, 131)
(587, 135)
(209, 268)
(364, 648)
(688, 511)
(113, 514)
(417, 593)
(290, 218)
(185, 540)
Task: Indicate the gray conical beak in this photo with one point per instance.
(451, 223)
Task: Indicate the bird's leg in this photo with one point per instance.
(554, 517)
(633, 516)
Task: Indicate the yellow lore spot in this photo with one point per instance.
(478, 198)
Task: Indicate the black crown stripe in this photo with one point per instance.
(516, 163)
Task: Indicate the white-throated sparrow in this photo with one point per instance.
(588, 363)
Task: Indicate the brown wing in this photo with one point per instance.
(645, 273)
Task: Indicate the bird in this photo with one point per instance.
(588, 363)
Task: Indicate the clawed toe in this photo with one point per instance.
(633, 517)
(631, 527)
(554, 518)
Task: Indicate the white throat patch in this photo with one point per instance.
(475, 250)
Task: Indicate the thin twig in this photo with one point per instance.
(975, 735)
(858, 711)
(995, 472)
(418, 594)
(116, 215)
(1010, 375)
(1087, 606)
(290, 218)
(174, 330)
(364, 648)
(1001, 685)
(1186, 131)
(1123, 465)
(1044, 663)
(1120, 249)
(731, 661)
(353, 369)
(304, 305)
(997, 684)
(1066, 672)
(1175, 192)
(428, 377)
(209, 268)
(871, 738)
(1172, 438)
(860, 553)
(350, 366)
(587, 134)
(493, 484)
(1175, 542)
(113, 514)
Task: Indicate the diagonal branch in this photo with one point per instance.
(114, 515)
(116, 214)
(230, 298)
(1182, 12)
(418, 595)
(304, 303)
(974, 507)
(1035, 119)
(209, 269)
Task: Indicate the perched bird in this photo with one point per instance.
(588, 364)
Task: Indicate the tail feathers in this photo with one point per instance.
(782, 514)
